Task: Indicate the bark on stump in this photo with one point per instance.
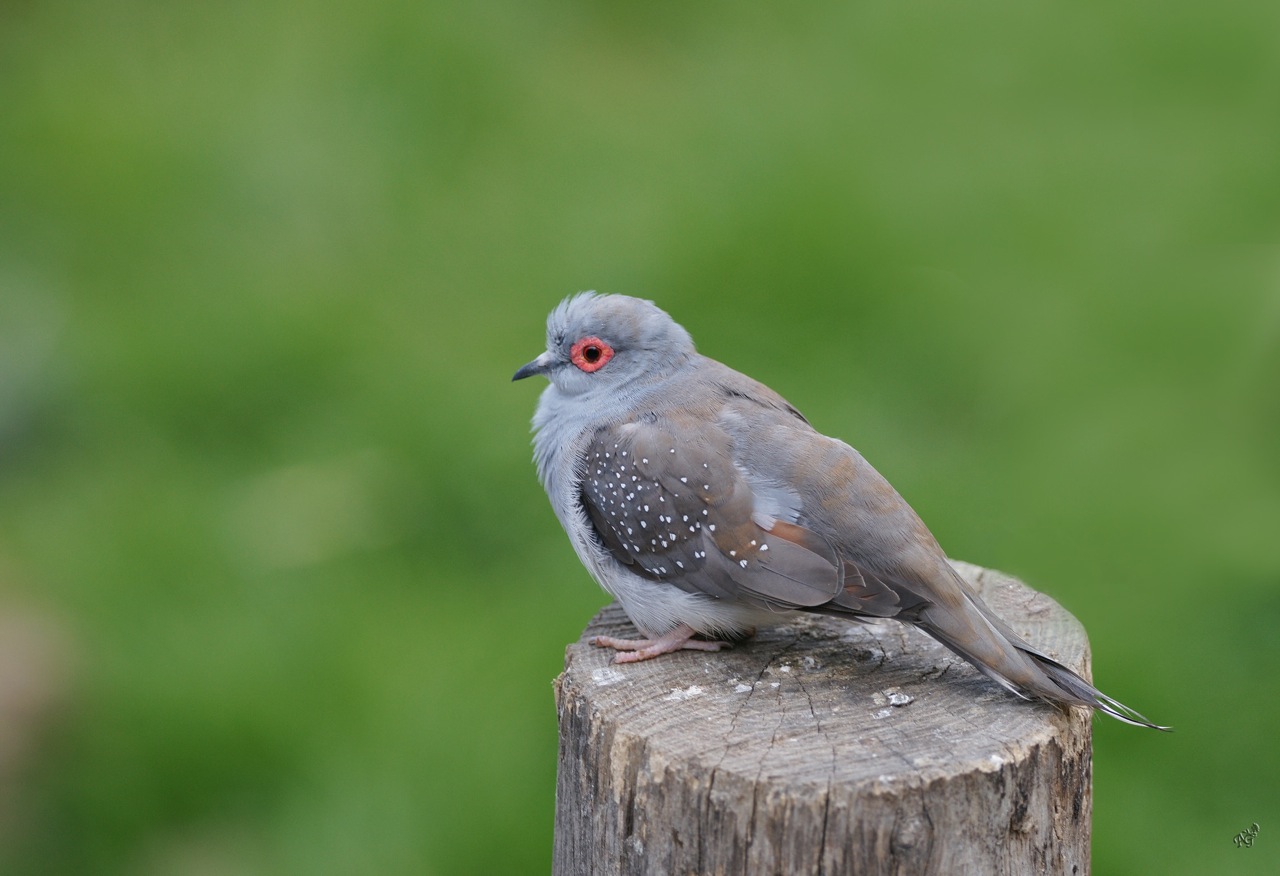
(823, 746)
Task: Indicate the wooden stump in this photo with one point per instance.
(822, 746)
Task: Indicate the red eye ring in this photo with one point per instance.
(590, 354)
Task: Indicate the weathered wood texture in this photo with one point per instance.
(822, 747)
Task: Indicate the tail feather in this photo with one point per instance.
(979, 636)
(1072, 688)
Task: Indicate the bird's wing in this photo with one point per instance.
(888, 557)
(667, 499)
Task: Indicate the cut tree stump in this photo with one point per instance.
(823, 746)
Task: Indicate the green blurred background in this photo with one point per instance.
(279, 592)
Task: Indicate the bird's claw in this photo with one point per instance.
(635, 650)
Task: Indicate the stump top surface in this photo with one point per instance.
(820, 700)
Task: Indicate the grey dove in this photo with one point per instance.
(708, 506)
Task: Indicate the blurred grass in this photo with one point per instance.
(266, 269)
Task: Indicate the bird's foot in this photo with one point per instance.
(635, 650)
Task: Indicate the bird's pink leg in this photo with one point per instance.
(635, 650)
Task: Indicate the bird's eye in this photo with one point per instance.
(590, 354)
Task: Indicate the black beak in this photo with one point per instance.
(541, 365)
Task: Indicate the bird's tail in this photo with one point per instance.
(1069, 687)
(975, 633)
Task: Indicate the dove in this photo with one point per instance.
(708, 506)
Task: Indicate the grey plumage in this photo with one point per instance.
(706, 504)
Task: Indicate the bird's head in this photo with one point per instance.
(603, 343)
